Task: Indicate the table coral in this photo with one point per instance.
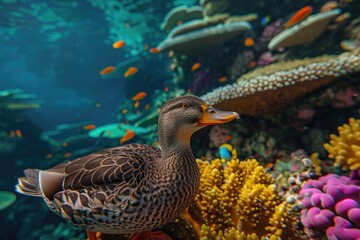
(180, 15)
(197, 36)
(332, 205)
(269, 89)
(305, 32)
(345, 148)
(239, 200)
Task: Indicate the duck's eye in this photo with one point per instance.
(184, 105)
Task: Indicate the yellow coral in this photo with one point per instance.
(345, 148)
(239, 196)
(279, 222)
(232, 234)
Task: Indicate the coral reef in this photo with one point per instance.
(332, 205)
(345, 148)
(275, 86)
(242, 196)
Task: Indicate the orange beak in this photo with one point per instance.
(213, 116)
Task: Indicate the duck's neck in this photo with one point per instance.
(174, 141)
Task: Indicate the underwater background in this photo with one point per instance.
(81, 76)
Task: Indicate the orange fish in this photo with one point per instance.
(136, 104)
(124, 111)
(118, 44)
(249, 42)
(228, 137)
(299, 16)
(268, 167)
(195, 67)
(252, 64)
(130, 71)
(139, 96)
(68, 154)
(107, 70)
(89, 127)
(128, 135)
(154, 50)
(223, 79)
(18, 133)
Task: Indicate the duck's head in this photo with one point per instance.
(182, 116)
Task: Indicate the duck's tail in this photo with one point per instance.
(29, 185)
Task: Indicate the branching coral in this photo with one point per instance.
(239, 200)
(232, 234)
(345, 148)
(285, 221)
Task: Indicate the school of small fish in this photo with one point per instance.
(249, 42)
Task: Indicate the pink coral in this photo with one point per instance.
(265, 59)
(346, 98)
(219, 135)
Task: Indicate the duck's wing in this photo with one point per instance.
(126, 164)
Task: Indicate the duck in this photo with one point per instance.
(132, 188)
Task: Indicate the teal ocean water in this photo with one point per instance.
(78, 77)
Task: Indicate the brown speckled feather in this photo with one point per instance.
(127, 164)
(101, 187)
(131, 188)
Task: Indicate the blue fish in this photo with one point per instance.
(227, 152)
(265, 20)
(224, 153)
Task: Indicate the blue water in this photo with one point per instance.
(55, 50)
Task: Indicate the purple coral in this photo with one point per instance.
(332, 204)
(265, 59)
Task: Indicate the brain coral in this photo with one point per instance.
(345, 148)
(239, 199)
(271, 88)
(332, 205)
